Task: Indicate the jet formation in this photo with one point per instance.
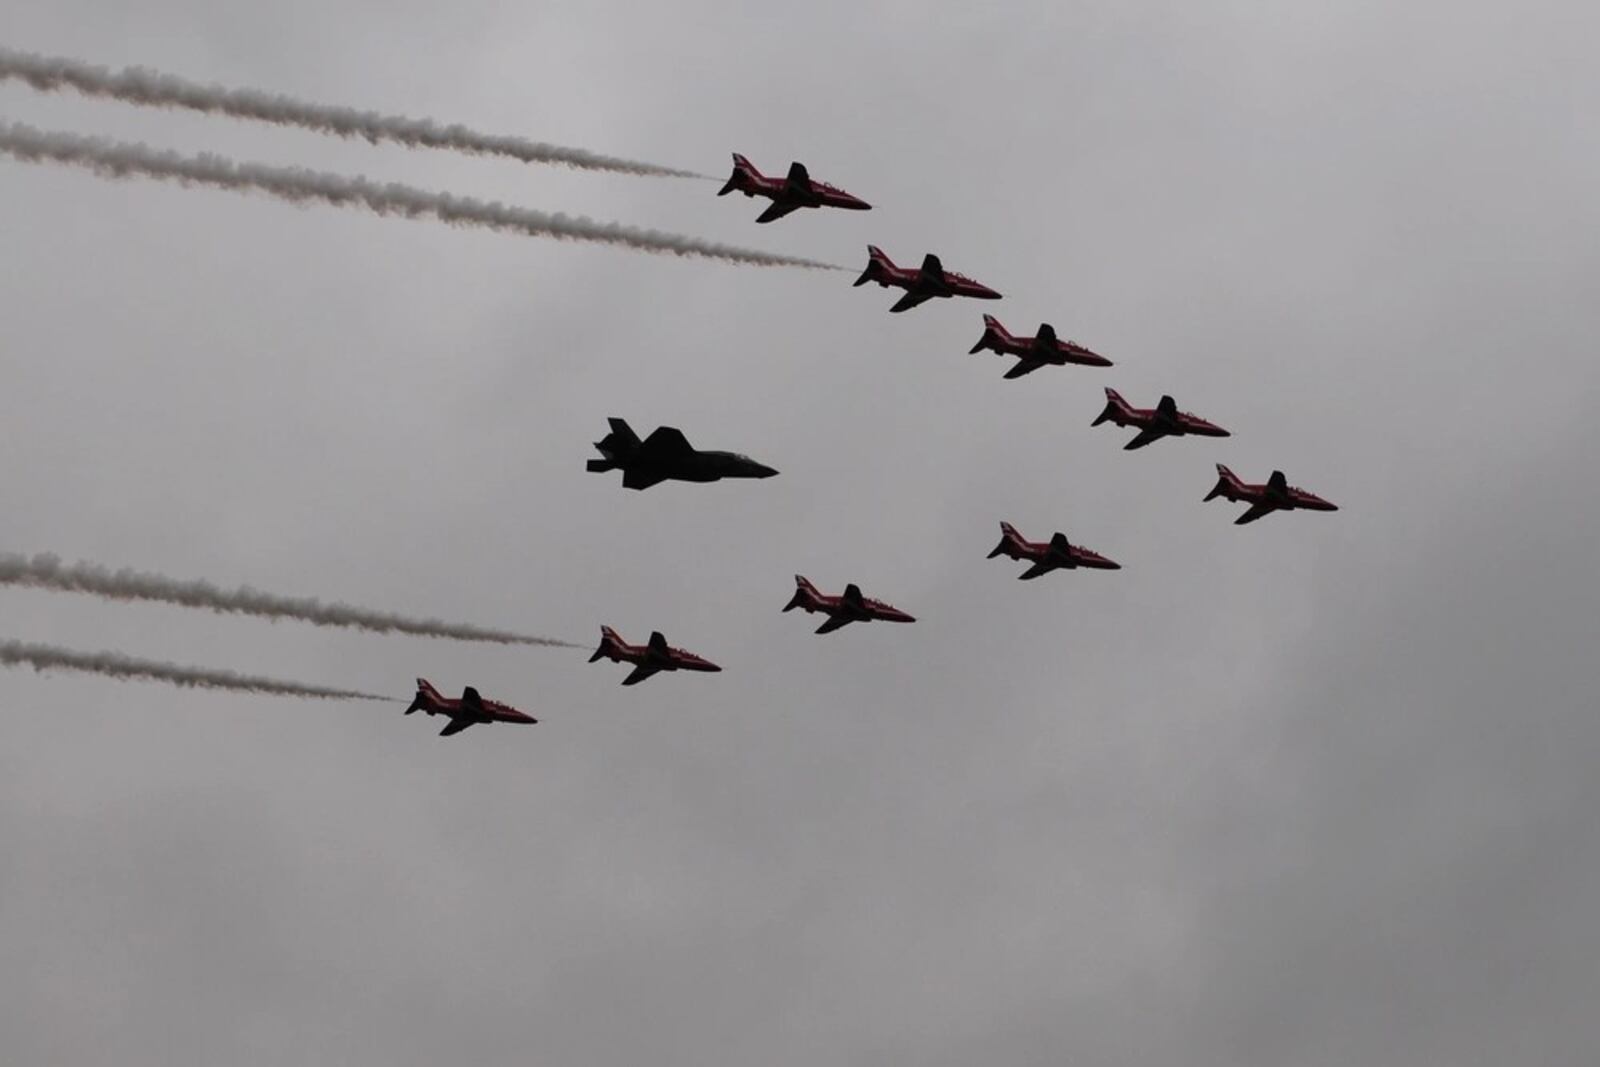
(666, 455)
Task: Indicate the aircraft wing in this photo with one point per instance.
(1042, 567)
(635, 478)
(778, 210)
(1255, 512)
(640, 673)
(1024, 366)
(455, 727)
(833, 623)
(1144, 437)
(667, 441)
(911, 300)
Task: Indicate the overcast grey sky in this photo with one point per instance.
(1318, 791)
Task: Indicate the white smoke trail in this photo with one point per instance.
(116, 665)
(46, 571)
(120, 159)
(149, 88)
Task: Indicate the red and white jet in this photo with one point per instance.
(844, 609)
(1046, 349)
(1276, 495)
(464, 712)
(1163, 420)
(647, 659)
(1056, 553)
(922, 284)
(799, 189)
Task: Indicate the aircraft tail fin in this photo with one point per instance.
(739, 180)
(1009, 538)
(1115, 406)
(608, 646)
(425, 695)
(804, 593)
(878, 267)
(993, 335)
(1227, 484)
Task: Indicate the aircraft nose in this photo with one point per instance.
(762, 470)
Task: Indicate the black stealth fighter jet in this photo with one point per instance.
(667, 455)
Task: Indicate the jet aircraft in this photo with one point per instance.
(799, 189)
(1276, 495)
(1046, 556)
(466, 711)
(1163, 420)
(841, 610)
(1034, 352)
(647, 659)
(667, 455)
(923, 284)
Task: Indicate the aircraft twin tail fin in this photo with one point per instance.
(620, 443)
